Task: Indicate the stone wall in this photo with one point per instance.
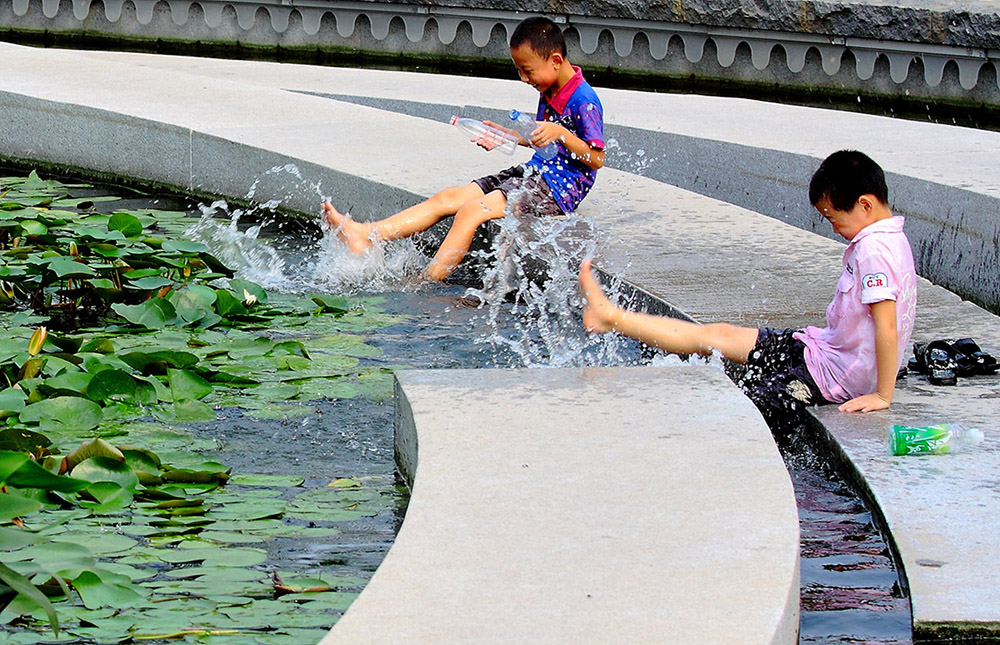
(910, 52)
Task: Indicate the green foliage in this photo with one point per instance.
(112, 526)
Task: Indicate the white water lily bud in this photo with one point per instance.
(249, 299)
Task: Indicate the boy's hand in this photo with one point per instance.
(547, 132)
(866, 403)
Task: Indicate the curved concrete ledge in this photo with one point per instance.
(899, 49)
(171, 119)
(584, 505)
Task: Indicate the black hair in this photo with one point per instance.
(846, 175)
(541, 34)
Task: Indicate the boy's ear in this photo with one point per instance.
(557, 59)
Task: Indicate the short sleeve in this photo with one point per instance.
(590, 125)
(876, 275)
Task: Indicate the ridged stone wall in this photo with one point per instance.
(946, 50)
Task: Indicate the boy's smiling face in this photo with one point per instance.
(537, 71)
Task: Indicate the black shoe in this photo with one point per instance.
(977, 361)
(940, 365)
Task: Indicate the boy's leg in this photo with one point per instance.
(456, 244)
(416, 218)
(673, 335)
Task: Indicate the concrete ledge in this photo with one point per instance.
(584, 505)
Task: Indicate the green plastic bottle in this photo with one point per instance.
(938, 439)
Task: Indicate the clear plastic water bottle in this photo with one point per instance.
(476, 128)
(525, 125)
(938, 439)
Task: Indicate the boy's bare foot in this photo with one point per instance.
(597, 309)
(356, 235)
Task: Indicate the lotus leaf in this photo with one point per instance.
(67, 383)
(129, 225)
(12, 506)
(96, 592)
(92, 448)
(32, 227)
(65, 268)
(240, 286)
(158, 361)
(189, 411)
(63, 413)
(98, 469)
(147, 283)
(108, 495)
(194, 302)
(155, 313)
(31, 475)
(251, 479)
(331, 304)
(111, 384)
(186, 385)
(184, 246)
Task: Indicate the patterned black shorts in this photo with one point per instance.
(776, 377)
(529, 191)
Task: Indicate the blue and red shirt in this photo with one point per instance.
(576, 107)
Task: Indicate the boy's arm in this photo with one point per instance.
(886, 358)
(549, 131)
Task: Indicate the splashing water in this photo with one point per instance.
(305, 264)
(532, 271)
(250, 258)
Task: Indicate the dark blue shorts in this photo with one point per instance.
(528, 190)
(776, 377)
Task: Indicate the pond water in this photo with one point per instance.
(850, 590)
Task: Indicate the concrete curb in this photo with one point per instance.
(543, 512)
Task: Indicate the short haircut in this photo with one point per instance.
(845, 176)
(541, 34)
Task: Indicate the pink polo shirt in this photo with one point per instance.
(878, 265)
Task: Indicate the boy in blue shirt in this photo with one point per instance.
(569, 113)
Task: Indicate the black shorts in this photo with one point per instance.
(776, 377)
(528, 190)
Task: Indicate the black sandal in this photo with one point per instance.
(979, 362)
(936, 360)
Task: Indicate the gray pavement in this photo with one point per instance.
(216, 126)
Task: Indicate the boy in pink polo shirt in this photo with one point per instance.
(855, 358)
(569, 114)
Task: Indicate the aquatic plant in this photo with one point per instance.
(118, 337)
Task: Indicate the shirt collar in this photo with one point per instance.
(559, 100)
(892, 224)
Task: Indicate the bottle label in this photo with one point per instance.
(925, 440)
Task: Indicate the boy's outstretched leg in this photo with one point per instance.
(358, 236)
(671, 334)
(469, 217)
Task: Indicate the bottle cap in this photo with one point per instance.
(514, 115)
